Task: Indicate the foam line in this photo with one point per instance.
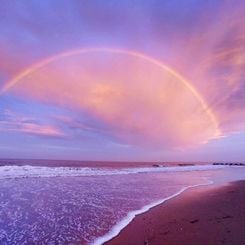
(131, 215)
(27, 171)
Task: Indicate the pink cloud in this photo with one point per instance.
(45, 130)
(145, 105)
(212, 57)
(19, 123)
(139, 102)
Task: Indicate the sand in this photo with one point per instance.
(206, 215)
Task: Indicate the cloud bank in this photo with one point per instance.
(139, 101)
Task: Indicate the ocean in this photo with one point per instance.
(63, 203)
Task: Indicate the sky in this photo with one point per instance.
(122, 80)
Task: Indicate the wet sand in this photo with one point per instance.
(200, 216)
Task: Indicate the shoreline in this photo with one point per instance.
(179, 218)
(121, 225)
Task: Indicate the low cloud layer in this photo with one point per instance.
(13, 122)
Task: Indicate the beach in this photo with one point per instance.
(213, 214)
(92, 205)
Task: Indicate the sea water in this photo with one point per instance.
(84, 205)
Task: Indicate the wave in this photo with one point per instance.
(131, 215)
(28, 171)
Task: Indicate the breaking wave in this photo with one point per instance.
(28, 171)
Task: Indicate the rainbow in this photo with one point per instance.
(175, 74)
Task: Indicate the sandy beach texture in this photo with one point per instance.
(200, 216)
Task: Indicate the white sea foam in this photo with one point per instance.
(27, 171)
(131, 215)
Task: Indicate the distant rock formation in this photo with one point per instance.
(229, 164)
(186, 164)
